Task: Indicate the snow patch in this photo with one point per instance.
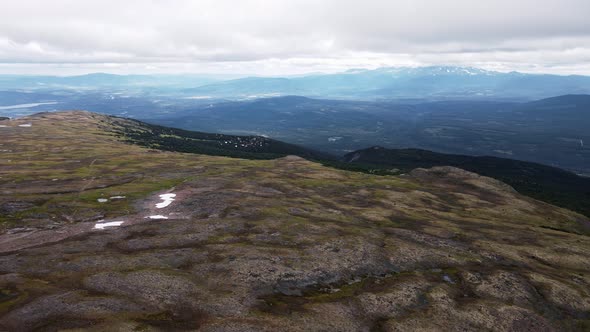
(108, 224)
(166, 200)
(156, 217)
(117, 197)
(25, 125)
(102, 200)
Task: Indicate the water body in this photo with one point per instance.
(11, 107)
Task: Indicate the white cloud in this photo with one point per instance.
(293, 36)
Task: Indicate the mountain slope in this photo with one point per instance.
(542, 182)
(172, 139)
(546, 183)
(266, 245)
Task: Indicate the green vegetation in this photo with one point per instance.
(179, 140)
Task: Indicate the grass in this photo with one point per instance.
(51, 152)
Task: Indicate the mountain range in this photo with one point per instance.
(434, 83)
(404, 83)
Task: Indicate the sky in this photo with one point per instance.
(291, 37)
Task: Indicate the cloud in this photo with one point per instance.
(297, 35)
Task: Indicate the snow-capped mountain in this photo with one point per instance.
(434, 82)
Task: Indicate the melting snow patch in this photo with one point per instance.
(108, 224)
(166, 200)
(3, 126)
(102, 200)
(117, 197)
(25, 125)
(157, 217)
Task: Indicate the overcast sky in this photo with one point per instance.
(276, 37)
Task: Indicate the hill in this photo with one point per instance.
(546, 183)
(100, 234)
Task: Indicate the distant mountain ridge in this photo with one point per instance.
(100, 81)
(433, 82)
(437, 82)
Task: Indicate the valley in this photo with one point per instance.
(550, 131)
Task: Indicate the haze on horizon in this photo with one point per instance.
(282, 37)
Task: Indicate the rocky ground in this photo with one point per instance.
(279, 245)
